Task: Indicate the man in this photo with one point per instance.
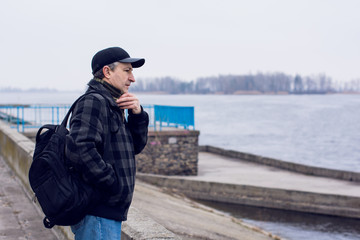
(102, 143)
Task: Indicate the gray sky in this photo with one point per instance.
(50, 44)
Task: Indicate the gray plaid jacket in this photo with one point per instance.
(102, 147)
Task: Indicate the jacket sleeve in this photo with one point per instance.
(84, 144)
(138, 124)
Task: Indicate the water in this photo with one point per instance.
(317, 130)
(293, 225)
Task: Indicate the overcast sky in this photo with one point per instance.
(51, 43)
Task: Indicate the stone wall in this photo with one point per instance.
(170, 152)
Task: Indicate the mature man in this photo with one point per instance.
(102, 143)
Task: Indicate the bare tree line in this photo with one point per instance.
(275, 83)
(257, 83)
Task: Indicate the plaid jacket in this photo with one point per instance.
(102, 147)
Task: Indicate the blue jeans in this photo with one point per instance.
(97, 228)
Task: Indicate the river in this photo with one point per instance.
(316, 130)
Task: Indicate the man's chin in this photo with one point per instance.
(125, 89)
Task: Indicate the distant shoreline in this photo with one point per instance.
(245, 93)
(168, 93)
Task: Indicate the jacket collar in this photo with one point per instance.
(98, 87)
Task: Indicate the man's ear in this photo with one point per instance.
(106, 71)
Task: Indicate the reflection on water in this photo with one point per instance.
(293, 225)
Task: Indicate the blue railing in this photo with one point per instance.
(34, 116)
(174, 116)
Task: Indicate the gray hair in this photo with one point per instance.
(100, 74)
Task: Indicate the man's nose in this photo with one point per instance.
(132, 78)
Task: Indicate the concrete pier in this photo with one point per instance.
(232, 180)
(19, 219)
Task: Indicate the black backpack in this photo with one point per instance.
(60, 191)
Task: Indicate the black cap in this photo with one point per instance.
(111, 55)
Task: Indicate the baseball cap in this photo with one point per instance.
(111, 55)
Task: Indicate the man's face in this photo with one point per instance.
(121, 77)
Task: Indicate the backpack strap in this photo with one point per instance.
(64, 122)
(66, 118)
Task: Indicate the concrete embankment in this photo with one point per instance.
(17, 151)
(233, 180)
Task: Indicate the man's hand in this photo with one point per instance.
(129, 101)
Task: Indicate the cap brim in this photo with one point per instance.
(135, 62)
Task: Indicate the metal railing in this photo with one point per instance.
(174, 116)
(34, 116)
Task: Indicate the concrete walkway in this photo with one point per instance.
(19, 218)
(217, 168)
(191, 220)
